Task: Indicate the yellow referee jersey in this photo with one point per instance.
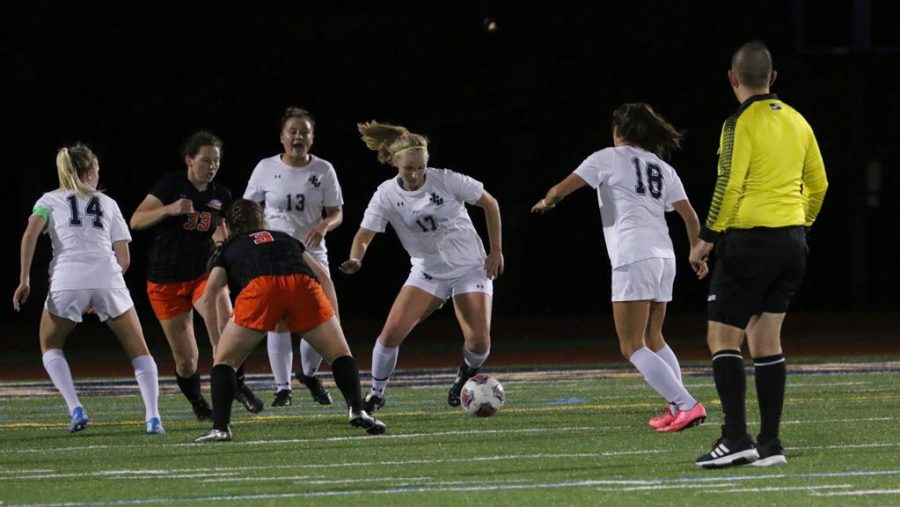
(771, 173)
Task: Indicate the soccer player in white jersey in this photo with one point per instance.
(301, 196)
(90, 253)
(427, 209)
(635, 188)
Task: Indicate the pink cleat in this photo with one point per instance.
(661, 421)
(686, 419)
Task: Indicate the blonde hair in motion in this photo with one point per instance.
(390, 140)
(73, 163)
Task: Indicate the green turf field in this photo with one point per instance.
(565, 437)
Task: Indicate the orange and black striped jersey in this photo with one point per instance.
(770, 170)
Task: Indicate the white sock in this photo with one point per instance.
(661, 378)
(384, 360)
(148, 381)
(281, 358)
(310, 359)
(668, 355)
(58, 368)
(474, 360)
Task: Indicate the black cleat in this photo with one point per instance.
(319, 394)
(770, 453)
(373, 403)
(463, 374)
(202, 410)
(245, 397)
(283, 398)
(729, 452)
(363, 420)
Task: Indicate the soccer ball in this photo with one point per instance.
(482, 396)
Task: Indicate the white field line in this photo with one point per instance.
(470, 488)
(726, 488)
(773, 489)
(865, 492)
(461, 432)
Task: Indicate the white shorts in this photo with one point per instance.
(474, 280)
(646, 280)
(322, 259)
(71, 304)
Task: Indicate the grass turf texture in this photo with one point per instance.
(567, 437)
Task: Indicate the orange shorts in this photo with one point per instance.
(297, 299)
(172, 299)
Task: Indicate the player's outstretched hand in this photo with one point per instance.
(542, 207)
(350, 266)
(493, 265)
(21, 295)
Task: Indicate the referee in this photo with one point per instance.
(770, 186)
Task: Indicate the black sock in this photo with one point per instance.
(771, 376)
(346, 376)
(239, 375)
(467, 371)
(224, 383)
(731, 383)
(190, 386)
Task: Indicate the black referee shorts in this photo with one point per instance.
(756, 270)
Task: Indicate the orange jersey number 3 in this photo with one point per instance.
(262, 237)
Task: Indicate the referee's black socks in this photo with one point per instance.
(731, 383)
(771, 376)
(224, 383)
(346, 376)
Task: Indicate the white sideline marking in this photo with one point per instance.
(726, 488)
(770, 489)
(864, 492)
(476, 488)
(403, 436)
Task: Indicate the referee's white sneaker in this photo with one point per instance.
(728, 452)
(770, 453)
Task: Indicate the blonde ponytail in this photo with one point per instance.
(390, 140)
(73, 164)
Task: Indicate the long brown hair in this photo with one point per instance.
(639, 125)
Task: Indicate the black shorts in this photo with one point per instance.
(756, 270)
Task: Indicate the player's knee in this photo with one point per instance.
(628, 349)
(391, 337)
(479, 343)
(186, 366)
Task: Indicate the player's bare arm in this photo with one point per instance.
(123, 254)
(29, 242)
(357, 251)
(558, 192)
(692, 226)
(493, 264)
(152, 211)
(334, 216)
